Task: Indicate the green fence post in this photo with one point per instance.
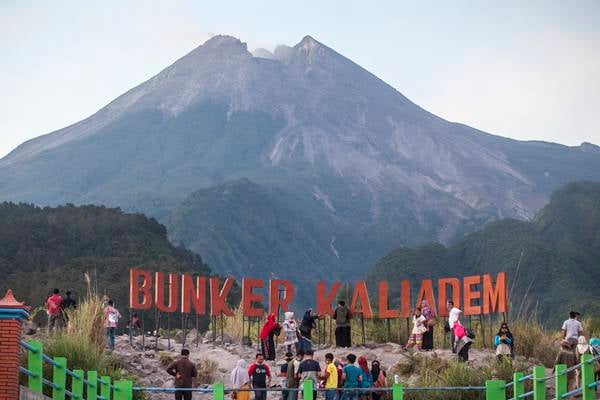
(219, 391)
(307, 390)
(123, 390)
(560, 380)
(539, 384)
(495, 390)
(105, 387)
(91, 390)
(35, 364)
(127, 387)
(59, 378)
(77, 384)
(518, 386)
(397, 392)
(587, 377)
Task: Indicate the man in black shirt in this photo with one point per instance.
(260, 376)
(309, 369)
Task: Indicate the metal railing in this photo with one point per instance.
(81, 385)
(64, 382)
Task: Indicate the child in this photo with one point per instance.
(419, 328)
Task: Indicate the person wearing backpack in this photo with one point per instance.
(343, 330)
(379, 380)
(111, 320)
(53, 308)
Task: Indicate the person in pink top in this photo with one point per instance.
(53, 308)
(462, 341)
(111, 320)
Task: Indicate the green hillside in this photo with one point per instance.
(43, 248)
(552, 262)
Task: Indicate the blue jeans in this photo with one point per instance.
(331, 394)
(110, 336)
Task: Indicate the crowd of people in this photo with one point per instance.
(331, 375)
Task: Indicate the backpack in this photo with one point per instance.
(342, 316)
(380, 382)
(113, 317)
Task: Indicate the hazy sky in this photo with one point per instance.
(523, 69)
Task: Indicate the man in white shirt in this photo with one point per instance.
(572, 329)
(453, 317)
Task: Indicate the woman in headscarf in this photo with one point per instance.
(267, 337)
(379, 378)
(240, 380)
(504, 343)
(582, 347)
(290, 331)
(366, 378)
(308, 324)
(430, 320)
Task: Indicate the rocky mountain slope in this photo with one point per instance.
(339, 167)
(551, 261)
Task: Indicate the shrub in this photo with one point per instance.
(165, 359)
(207, 371)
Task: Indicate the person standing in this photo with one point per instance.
(134, 325)
(308, 323)
(366, 380)
(184, 371)
(53, 308)
(351, 375)
(111, 321)
(453, 317)
(240, 380)
(68, 303)
(568, 358)
(504, 343)
(330, 376)
(309, 370)
(260, 377)
(290, 331)
(283, 375)
(572, 329)
(430, 320)
(343, 330)
(379, 379)
(267, 337)
(293, 382)
(419, 327)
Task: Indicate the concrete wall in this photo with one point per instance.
(26, 394)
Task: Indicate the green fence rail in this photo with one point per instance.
(87, 385)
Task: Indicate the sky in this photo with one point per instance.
(528, 70)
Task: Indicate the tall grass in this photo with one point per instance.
(82, 341)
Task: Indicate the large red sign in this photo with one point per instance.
(476, 294)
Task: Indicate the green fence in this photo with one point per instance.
(88, 385)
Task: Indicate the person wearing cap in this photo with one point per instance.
(283, 375)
